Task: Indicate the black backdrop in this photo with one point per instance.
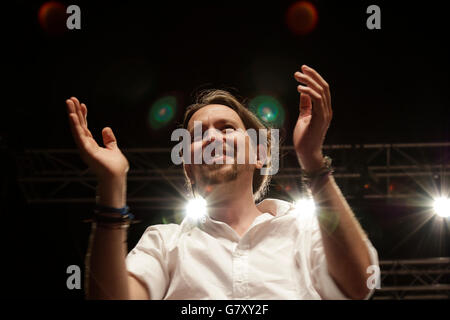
(388, 86)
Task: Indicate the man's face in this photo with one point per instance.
(227, 130)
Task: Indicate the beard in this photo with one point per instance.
(213, 174)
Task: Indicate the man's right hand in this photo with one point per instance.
(107, 163)
(107, 248)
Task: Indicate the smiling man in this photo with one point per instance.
(242, 249)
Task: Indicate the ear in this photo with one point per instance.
(261, 156)
(188, 169)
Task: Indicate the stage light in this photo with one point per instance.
(301, 17)
(162, 112)
(268, 109)
(441, 207)
(196, 208)
(305, 206)
(52, 17)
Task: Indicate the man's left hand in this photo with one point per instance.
(314, 119)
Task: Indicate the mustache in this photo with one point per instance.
(219, 145)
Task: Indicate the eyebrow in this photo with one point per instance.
(220, 122)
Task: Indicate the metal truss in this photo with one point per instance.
(369, 171)
(414, 279)
(361, 170)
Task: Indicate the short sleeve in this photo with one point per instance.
(147, 262)
(321, 278)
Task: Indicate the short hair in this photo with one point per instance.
(217, 96)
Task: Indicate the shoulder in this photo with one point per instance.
(169, 234)
(275, 207)
(163, 228)
(300, 216)
(161, 232)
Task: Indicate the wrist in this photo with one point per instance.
(111, 192)
(311, 163)
(317, 177)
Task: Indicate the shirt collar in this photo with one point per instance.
(275, 207)
(271, 208)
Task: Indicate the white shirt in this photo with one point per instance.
(279, 257)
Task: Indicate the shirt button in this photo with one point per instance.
(244, 246)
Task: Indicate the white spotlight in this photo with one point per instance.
(442, 207)
(305, 206)
(196, 208)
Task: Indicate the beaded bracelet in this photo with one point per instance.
(315, 178)
(110, 215)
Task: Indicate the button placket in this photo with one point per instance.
(240, 270)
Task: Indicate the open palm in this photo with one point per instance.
(106, 161)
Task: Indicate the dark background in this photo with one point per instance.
(388, 86)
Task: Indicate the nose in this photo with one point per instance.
(213, 135)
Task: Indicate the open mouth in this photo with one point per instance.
(214, 158)
(223, 158)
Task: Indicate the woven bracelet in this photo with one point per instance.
(311, 179)
(112, 215)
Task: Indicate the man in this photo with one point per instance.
(241, 250)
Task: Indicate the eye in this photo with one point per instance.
(228, 127)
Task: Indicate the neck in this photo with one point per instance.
(232, 204)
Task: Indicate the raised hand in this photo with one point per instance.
(107, 163)
(314, 119)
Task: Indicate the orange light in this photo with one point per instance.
(301, 17)
(52, 17)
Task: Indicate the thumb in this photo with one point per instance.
(305, 104)
(109, 140)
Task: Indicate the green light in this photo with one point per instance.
(162, 112)
(268, 109)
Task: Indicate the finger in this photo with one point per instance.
(109, 140)
(85, 127)
(303, 78)
(83, 123)
(318, 78)
(314, 95)
(84, 112)
(72, 123)
(305, 105)
(315, 75)
(77, 130)
(314, 85)
(324, 88)
(78, 111)
(70, 106)
(318, 109)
